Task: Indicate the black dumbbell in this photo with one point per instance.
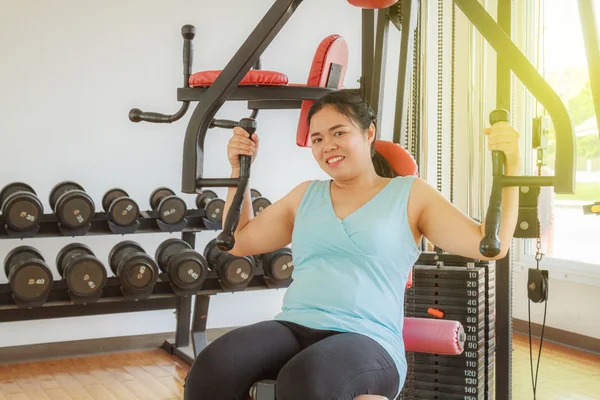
(278, 265)
(28, 275)
(21, 207)
(72, 205)
(84, 273)
(135, 269)
(233, 271)
(186, 268)
(211, 204)
(259, 203)
(171, 208)
(121, 208)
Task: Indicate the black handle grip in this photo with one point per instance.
(225, 240)
(137, 115)
(490, 245)
(188, 32)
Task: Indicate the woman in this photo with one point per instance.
(354, 240)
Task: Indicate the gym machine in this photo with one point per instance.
(236, 82)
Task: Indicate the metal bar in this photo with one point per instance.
(226, 83)
(407, 40)
(274, 104)
(504, 285)
(183, 311)
(587, 14)
(217, 182)
(246, 93)
(535, 83)
(379, 66)
(368, 40)
(503, 294)
(67, 309)
(199, 339)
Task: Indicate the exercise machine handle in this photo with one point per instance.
(188, 32)
(225, 240)
(490, 245)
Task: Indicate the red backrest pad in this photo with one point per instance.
(372, 3)
(403, 163)
(399, 158)
(333, 49)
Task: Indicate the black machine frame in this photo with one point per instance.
(497, 34)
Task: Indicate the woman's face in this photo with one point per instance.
(339, 145)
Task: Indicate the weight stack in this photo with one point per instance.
(463, 290)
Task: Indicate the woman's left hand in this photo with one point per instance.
(503, 137)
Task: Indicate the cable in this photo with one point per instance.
(537, 368)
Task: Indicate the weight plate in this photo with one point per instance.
(30, 280)
(69, 252)
(14, 188)
(86, 276)
(211, 251)
(120, 250)
(451, 309)
(446, 300)
(450, 389)
(110, 196)
(255, 193)
(203, 198)
(450, 283)
(172, 210)
(75, 209)
(158, 194)
(214, 211)
(124, 211)
(190, 269)
(463, 381)
(236, 271)
(431, 395)
(259, 204)
(22, 211)
(20, 253)
(451, 371)
(139, 273)
(449, 273)
(168, 249)
(473, 293)
(59, 189)
(449, 361)
(282, 266)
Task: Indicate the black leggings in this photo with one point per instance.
(308, 364)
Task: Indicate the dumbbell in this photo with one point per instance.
(186, 268)
(135, 269)
(259, 203)
(233, 271)
(278, 265)
(121, 208)
(28, 275)
(211, 204)
(72, 205)
(171, 208)
(84, 273)
(21, 207)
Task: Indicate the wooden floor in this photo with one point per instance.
(154, 375)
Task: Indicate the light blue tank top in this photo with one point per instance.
(350, 275)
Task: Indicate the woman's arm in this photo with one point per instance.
(448, 227)
(271, 229)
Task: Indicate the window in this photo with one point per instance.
(569, 238)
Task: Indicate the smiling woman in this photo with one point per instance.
(355, 239)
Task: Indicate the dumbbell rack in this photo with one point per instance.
(112, 301)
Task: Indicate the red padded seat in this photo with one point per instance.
(372, 3)
(254, 77)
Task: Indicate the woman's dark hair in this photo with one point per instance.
(356, 108)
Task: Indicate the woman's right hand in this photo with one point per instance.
(241, 144)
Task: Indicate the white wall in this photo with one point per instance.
(70, 73)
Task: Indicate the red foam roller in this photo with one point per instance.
(434, 336)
